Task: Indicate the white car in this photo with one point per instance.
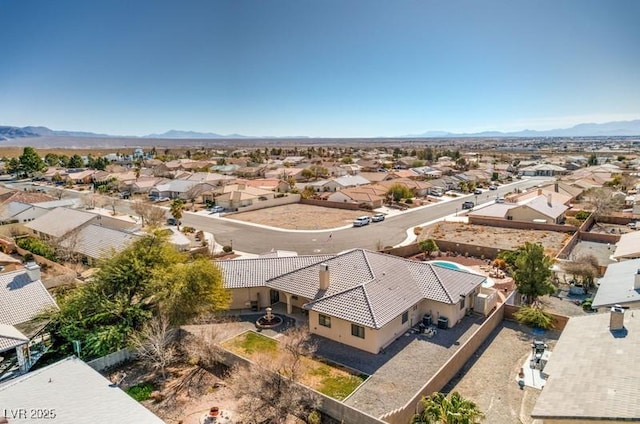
(377, 217)
(216, 209)
(361, 221)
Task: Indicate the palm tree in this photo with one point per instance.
(438, 409)
(176, 208)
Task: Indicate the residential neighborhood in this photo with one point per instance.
(206, 247)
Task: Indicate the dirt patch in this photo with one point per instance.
(489, 378)
(497, 237)
(299, 217)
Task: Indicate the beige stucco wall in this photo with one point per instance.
(241, 297)
(340, 331)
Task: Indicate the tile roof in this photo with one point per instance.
(616, 286)
(78, 393)
(593, 372)
(59, 221)
(242, 273)
(95, 241)
(21, 299)
(10, 337)
(12, 209)
(371, 288)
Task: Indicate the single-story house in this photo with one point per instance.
(70, 392)
(236, 196)
(360, 298)
(543, 170)
(94, 242)
(18, 212)
(541, 209)
(360, 195)
(593, 372)
(620, 285)
(182, 189)
(23, 339)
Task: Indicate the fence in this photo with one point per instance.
(448, 370)
(278, 201)
(520, 225)
(447, 246)
(327, 204)
(112, 359)
(329, 406)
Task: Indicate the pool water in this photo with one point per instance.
(452, 265)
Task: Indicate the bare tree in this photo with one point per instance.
(267, 389)
(149, 214)
(584, 268)
(155, 344)
(603, 201)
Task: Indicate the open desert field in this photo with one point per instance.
(299, 217)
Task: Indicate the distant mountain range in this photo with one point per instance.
(618, 128)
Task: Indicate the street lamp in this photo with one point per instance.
(476, 200)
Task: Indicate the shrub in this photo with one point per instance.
(227, 249)
(417, 230)
(314, 417)
(140, 391)
(188, 230)
(582, 215)
(499, 263)
(534, 316)
(37, 247)
(28, 257)
(408, 201)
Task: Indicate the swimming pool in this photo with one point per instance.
(452, 265)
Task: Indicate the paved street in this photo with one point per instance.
(249, 238)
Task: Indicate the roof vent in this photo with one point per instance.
(33, 271)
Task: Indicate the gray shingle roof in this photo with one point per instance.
(371, 289)
(78, 393)
(242, 273)
(60, 221)
(95, 241)
(593, 373)
(21, 299)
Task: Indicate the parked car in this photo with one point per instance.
(477, 191)
(216, 209)
(361, 221)
(493, 187)
(500, 199)
(468, 205)
(377, 217)
(160, 199)
(173, 221)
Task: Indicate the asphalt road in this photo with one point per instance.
(252, 239)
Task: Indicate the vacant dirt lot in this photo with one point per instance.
(299, 217)
(501, 238)
(489, 379)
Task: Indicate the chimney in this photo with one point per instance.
(324, 276)
(636, 280)
(33, 270)
(539, 192)
(555, 187)
(616, 319)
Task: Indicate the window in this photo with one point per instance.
(405, 317)
(357, 331)
(324, 321)
(462, 304)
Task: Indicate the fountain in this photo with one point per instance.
(269, 320)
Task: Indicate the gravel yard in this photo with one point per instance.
(297, 216)
(501, 238)
(489, 379)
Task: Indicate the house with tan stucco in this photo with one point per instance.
(361, 298)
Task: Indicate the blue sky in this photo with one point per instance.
(340, 68)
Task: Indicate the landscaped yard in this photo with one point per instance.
(326, 378)
(299, 217)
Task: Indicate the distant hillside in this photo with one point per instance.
(192, 135)
(617, 128)
(18, 132)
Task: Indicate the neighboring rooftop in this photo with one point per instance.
(618, 285)
(95, 241)
(22, 299)
(593, 372)
(77, 393)
(60, 221)
(628, 247)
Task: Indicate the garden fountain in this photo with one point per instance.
(269, 320)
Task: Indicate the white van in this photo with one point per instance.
(361, 221)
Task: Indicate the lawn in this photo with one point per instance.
(329, 379)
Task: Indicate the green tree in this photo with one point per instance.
(52, 159)
(76, 162)
(398, 192)
(438, 409)
(148, 278)
(13, 166)
(532, 272)
(176, 209)
(427, 246)
(30, 162)
(593, 160)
